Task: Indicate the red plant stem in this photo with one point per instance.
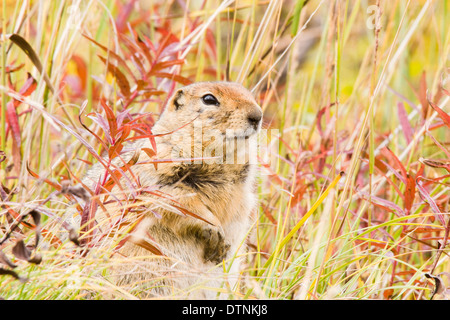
(130, 100)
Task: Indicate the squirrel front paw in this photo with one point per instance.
(216, 248)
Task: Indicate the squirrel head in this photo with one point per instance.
(211, 115)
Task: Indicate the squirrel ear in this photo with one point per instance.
(177, 101)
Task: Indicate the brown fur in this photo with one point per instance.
(220, 193)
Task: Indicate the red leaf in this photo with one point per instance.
(122, 80)
(388, 293)
(270, 216)
(98, 119)
(445, 164)
(211, 41)
(169, 38)
(379, 164)
(12, 68)
(12, 117)
(87, 223)
(382, 203)
(114, 151)
(438, 144)
(443, 115)
(110, 117)
(175, 77)
(319, 116)
(111, 55)
(28, 87)
(388, 180)
(81, 70)
(35, 175)
(398, 164)
(423, 95)
(124, 14)
(165, 64)
(140, 47)
(152, 141)
(445, 91)
(150, 153)
(409, 193)
(189, 213)
(17, 158)
(143, 243)
(13, 122)
(428, 199)
(146, 47)
(404, 122)
(299, 191)
(124, 132)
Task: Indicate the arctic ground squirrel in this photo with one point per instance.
(199, 210)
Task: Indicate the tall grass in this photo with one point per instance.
(354, 207)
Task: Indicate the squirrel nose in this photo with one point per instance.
(254, 118)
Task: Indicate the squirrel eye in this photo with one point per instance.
(209, 99)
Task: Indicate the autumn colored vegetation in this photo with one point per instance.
(356, 204)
